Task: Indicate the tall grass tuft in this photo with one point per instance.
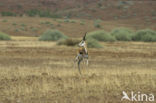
(4, 36)
(52, 35)
(122, 34)
(101, 36)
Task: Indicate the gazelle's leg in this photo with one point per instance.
(76, 57)
(87, 62)
(86, 57)
(79, 61)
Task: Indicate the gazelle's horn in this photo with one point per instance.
(84, 38)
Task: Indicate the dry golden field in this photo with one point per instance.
(32, 71)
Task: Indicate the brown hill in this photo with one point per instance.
(134, 14)
(90, 9)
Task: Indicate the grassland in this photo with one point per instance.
(32, 71)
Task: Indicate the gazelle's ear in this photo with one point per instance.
(84, 38)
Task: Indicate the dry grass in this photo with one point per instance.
(41, 72)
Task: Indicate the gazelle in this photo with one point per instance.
(82, 52)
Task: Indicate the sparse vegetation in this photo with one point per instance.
(42, 13)
(101, 35)
(23, 25)
(122, 34)
(14, 24)
(99, 4)
(4, 36)
(4, 20)
(66, 20)
(52, 35)
(82, 23)
(34, 29)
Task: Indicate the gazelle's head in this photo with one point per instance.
(83, 43)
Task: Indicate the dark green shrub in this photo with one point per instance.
(122, 34)
(44, 13)
(4, 36)
(101, 36)
(97, 23)
(52, 35)
(8, 13)
(32, 12)
(68, 42)
(146, 35)
(93, 43)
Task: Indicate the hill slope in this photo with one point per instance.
(90, 9)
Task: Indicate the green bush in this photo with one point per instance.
(122, 34)
(93, 43)
(97, 23)
(8, 14)
(68, 42)
(4, 36)
(32, 12)
(82, 23)
(52, 35)
(146, 35)
(101, 36)
(42, 13)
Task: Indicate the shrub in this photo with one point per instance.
(4, 20)
(93, 43)
(14, 24)
(68, 42)
(52, 35)
(32, 12)
(66, 20)
(97, 23)
(101, 36)
(122, 34)
(4, 36)
(82, 23)
(8, 14)
(146, 35)
(99, 4)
